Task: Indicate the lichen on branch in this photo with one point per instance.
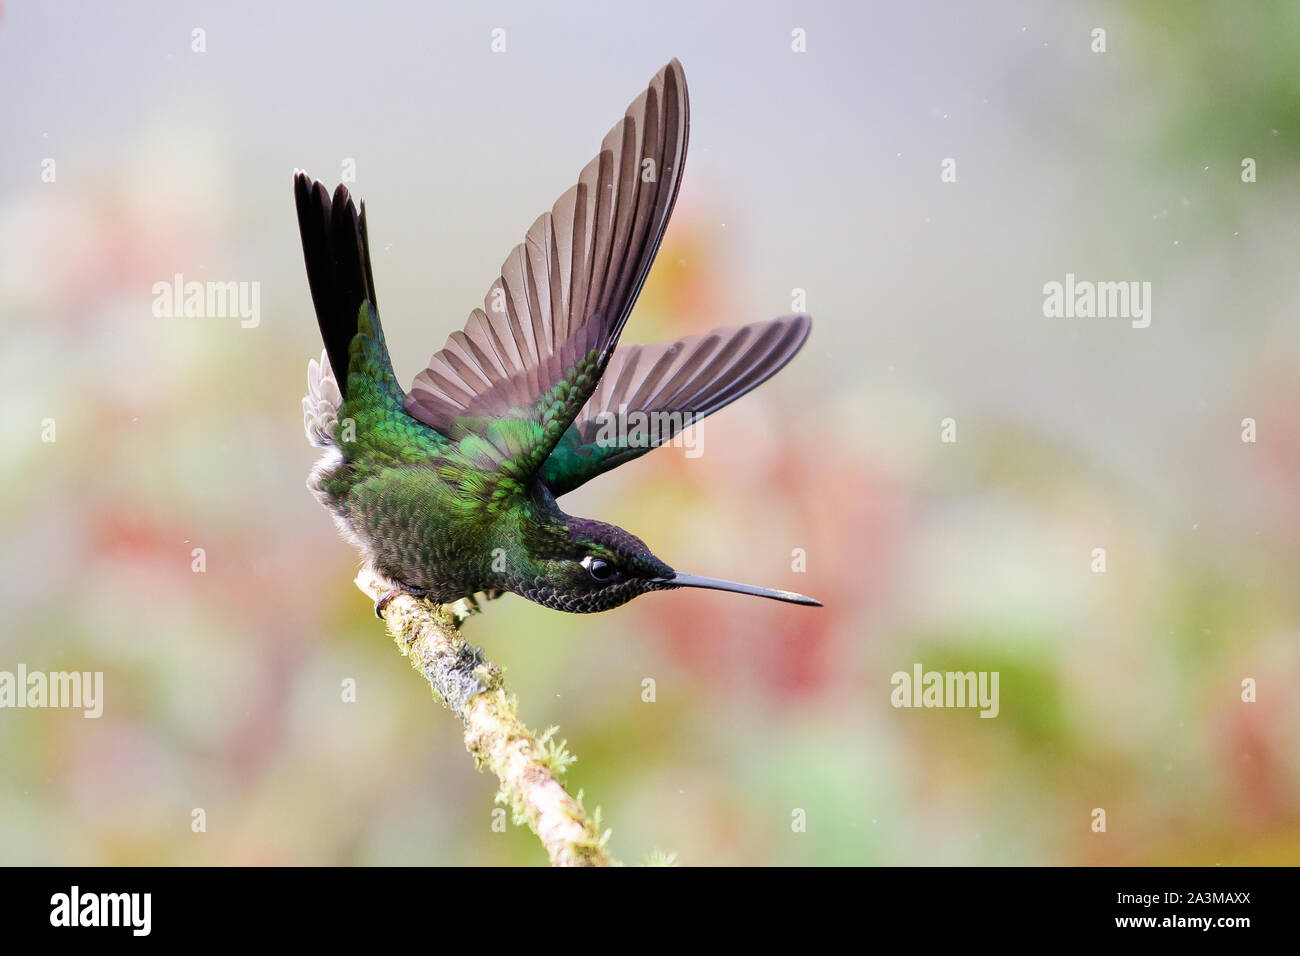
(527, 766)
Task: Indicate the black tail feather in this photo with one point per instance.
(337, 251)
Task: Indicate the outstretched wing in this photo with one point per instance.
(510, 384)
(649, 393)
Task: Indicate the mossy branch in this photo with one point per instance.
(528, 767)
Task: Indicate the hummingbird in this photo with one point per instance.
(450, 489)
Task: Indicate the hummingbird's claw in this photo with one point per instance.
(466, 607)
(383, 602)
(397, 588)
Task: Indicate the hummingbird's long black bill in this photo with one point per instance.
(680, 580)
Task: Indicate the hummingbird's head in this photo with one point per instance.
(594, 566)
(591, 566)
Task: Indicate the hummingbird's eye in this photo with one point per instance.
(599, 569)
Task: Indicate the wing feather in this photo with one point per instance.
(683, 381)
(550, 322)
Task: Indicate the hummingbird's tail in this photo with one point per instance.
(337, 252)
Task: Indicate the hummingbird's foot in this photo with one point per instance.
(468, 606)
(397, 588)
(464, 608)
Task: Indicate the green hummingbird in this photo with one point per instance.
(450, 489)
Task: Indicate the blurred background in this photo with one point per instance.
(818, 171)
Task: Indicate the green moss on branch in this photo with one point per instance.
(527, 767)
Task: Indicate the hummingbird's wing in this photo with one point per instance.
(526, 363)
(649, 393)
